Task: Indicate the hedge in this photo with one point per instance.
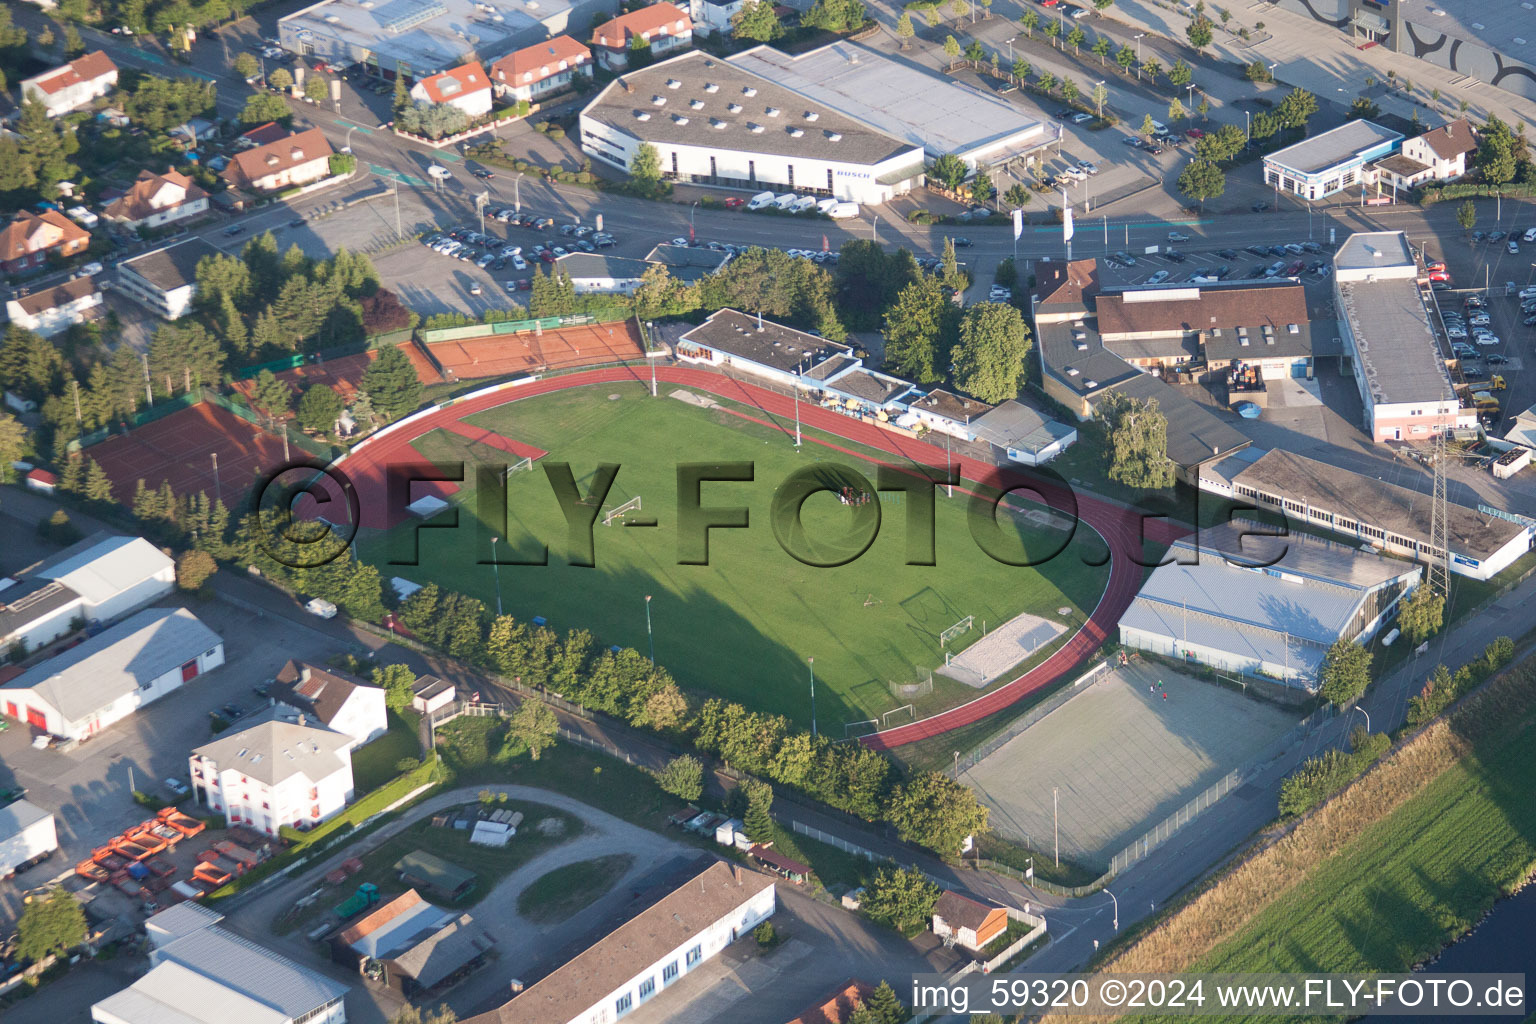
(1430, 196)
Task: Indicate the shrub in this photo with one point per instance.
(765, 935)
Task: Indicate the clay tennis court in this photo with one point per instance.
(341, 374)
(181, 448)
(503, 355)
(1121, 758)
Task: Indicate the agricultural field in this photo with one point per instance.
(744, 625)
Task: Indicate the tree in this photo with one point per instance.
(13, 445)
(1076, 38)
(959, 8)
(975, 52)
(317, 89)
(281, 79)
(900, 897)
(885, 1007)
(982, 189)
(839, 16)
(1152, 69)
(46, 145)
(951, 47)
(1466, 215)
(262, 107)
(1052, 30)
(272, 396)
(1030, 21)
(989, 361)
(1176, 110)
(396, 681)
(1045, 79)
(1126, 58)
(1133, 436)
(1204, 108)
(935, 811)
(1363, 107)
(246, 66)
(409, 1014)
(98, 486)
(1265, 125)
(1346, 672)
(1202, 180)
(73, 44)
(1180, 74)
(757, 820)
(1069, 90)
(319, 408)
(949, 170)
(391, 384)
(919, 331)
(50, 926)
(645, 165)
(1102, 46)
(1258, 71)
(1200, 32)
(433, 120)
(533, 725)
(1296, 109)
(193, 569)
(904, 29)
(1022, 69)
(1148, 126)
(1017, 196)
(1422, 615)
(756, 21)
(683, 777)
(1495, 156)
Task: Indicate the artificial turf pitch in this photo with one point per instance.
(744, 625)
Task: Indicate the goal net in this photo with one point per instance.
(959, 628)
(632, 505)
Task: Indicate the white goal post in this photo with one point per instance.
(632, 505)
(526, 462)
(963, 626)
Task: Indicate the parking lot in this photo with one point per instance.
(1175, 262)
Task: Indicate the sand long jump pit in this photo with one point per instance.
(1121, 758)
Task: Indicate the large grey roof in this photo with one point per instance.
(173, 994)
(762, 341)
(1301, 555)
(1373, 250)
(434, 954)
(252, 971)
(18, 816)
(115, 662)
(1504, 26)
(29, 600)
(715, 126)
(182, 919)
(1195, 434)
(1223, 633)
(274, 751)
(1015, 425)
(103, 566)
(1333, 147)
(1396, 351)
(173, 266)
(902, 98)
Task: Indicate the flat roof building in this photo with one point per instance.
(907, 101)
(1388, 332)
(1330, 161)
(731, 339)
(419, 37)
(1385, 516)
(717, 123)
(165, 280)
(1023, 434)
(1268, 607)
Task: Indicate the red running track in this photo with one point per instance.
(1120, 527)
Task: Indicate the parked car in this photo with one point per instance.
(1175, 255)
(962, 243)
(1080, 118)
(1126, 258)
(1159, 277)
(1088, 165)
(1514, 247)
(1177, 236)
(181, 789)
(1497, 359)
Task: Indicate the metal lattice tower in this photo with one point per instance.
(1439, 575)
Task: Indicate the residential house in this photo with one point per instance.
(1440, 154)
(28, 240)
(665, 27)
(429, 694)
(676, 930)
(165, 279)
(296, 159)
(157, 199)
(336, 700)
(710, 16)
(202, 974)
(466, 87)
(53, 310)
(274, 773)
(838, 1006)
(968, 923)
(537, 71)
(106, 678)
(74, 85)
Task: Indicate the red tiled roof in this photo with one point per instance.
(265, 133)
(541, 61)
(1451, 139)
(647, 21)
(135, 203)
(837, 1007)
(42, 476)
(1065, 283)
(962, 912)
(82, 69)
(1216, 307)
(17, 237)
(455, 83)
(285, 153)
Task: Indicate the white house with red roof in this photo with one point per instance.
(74, 85)
(157, 199)
(467, 87)
(664, 26)
(536, 71)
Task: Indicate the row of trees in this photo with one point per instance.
(930, 809)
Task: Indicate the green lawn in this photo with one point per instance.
(374, 764)
(571, 888)
(743, 625)
(1410, 882)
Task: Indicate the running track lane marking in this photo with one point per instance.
(1112, 523)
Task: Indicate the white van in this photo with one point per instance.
(786, 200)
(826, 205)
(1158, 128)
(843, 211)
(760, 200)
(803, 204)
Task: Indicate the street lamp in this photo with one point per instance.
(1367, 715)
(496, 571)
(517, 192)
(1117, 909)
(691, 211)
(811, 664)
(1099, 96)
(1138, 55)
(1010, 51)
(346, 147)
(874, 230)
(648, 634)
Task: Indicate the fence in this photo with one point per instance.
(301, 441)
(297, 359)
(1034, 715)
(432, 335)
(158, 411)
(1169, 826)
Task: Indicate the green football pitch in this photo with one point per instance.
(744, 625)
